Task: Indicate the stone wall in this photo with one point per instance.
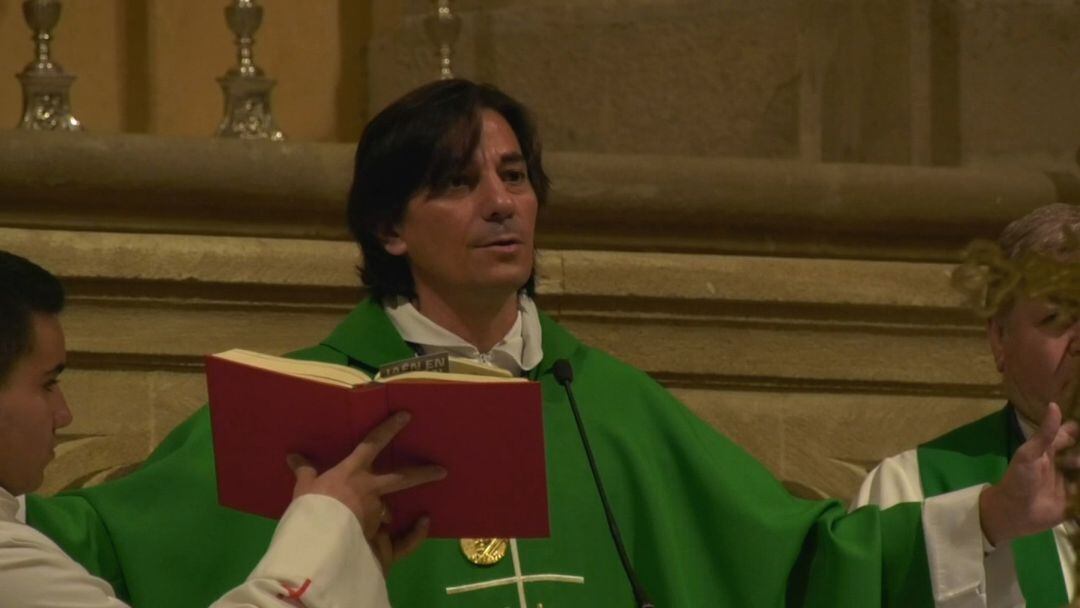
(798, 308)
(924, 82)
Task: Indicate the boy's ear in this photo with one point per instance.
(391, 240)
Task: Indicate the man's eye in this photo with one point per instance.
(1057, 320)
(515, 176)
(51, 385)
(458, 181)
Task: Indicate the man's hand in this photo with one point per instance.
(1032, 496)
(354, 484)
(389, 550)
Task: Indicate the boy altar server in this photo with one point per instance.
(319, 554)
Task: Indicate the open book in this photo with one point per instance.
(440, 367)
(480, 423)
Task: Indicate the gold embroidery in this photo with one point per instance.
(484, 551)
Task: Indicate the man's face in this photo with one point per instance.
(1037, 349)
(476, 237)
(32, 407)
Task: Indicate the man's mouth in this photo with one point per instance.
(502, 242)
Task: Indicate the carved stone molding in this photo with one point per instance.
(726, 321)
(707, 205)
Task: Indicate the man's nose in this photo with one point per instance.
(61, 412)
(498, 202)
(1074, 337)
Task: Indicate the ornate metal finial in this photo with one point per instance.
(246, 88)
(46, 104)
(443, 28)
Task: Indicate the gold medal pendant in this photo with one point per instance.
(484, 551)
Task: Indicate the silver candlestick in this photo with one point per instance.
(443, 27)
(46, 102)
(246, 88)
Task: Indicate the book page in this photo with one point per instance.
(446, 377)
(330, 373)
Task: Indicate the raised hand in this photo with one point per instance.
(1032, 496)
(354, 484)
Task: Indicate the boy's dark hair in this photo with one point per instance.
(420, 142)
(25, 288)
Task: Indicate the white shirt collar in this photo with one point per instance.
(1027, 427)
(519, 351)
(10, 507)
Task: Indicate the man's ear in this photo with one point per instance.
(995, 332)
(391, 240)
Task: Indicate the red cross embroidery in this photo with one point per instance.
(294, 594)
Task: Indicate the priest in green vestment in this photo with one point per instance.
(447, 185)
(1036, 346)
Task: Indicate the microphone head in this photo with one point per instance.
(564, 373)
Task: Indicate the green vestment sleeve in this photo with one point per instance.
(979, 452)
(74, 519)
(704, 523)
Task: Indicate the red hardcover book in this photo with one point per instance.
(487, 434)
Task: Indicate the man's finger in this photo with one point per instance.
(1051, 421)
(388, 483)
(1043, 440)
(413, 539)
(303, 470)
(384, 550)
(301, 467)
(1071, 427)
(372, 514)
(1069, 461)
(377, 439)
(1063, 440)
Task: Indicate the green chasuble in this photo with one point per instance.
(705, 524)
(978, 453)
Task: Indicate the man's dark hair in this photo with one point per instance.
(25, 288)
(421, 142)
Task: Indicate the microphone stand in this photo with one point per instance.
(564, 375)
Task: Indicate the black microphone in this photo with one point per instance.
(564, 375)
